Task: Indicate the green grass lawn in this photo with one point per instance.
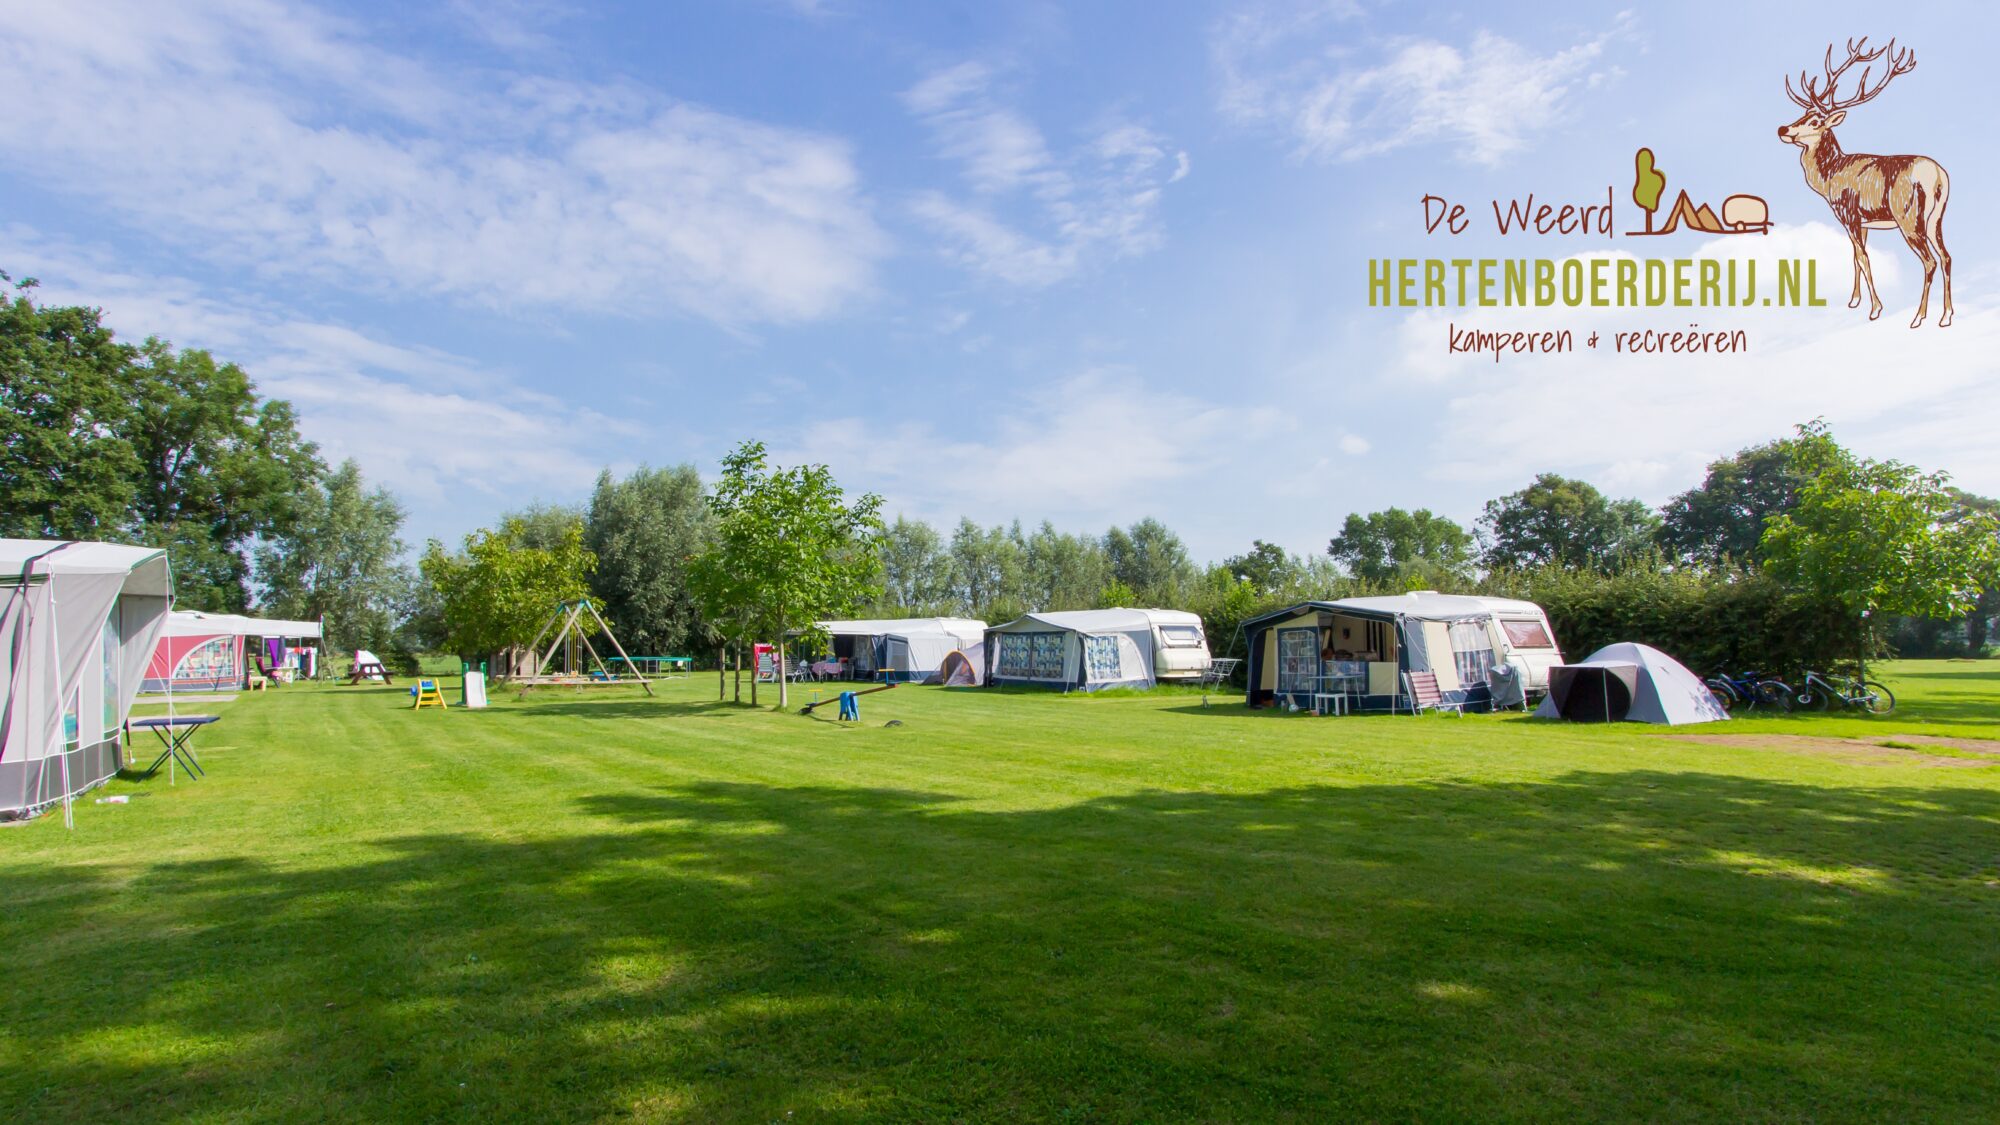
(1015, 906)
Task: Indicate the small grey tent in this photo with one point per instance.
(1630, 683)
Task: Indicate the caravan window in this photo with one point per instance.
(1181, 636)
(1527, 634)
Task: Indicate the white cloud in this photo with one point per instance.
(1344, 101)
(1035, 216)
(1354, 445)
(1100, 446)
(1646, 425)
(512, 25)
(429, 424)
(262, 133)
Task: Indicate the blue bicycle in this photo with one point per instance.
(1749, 692)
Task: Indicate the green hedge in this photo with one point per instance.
(1742, 622)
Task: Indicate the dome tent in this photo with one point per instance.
(962, 668)
(1631, 683)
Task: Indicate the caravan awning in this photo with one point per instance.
(193, 623)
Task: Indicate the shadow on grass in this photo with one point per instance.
(1605, 945)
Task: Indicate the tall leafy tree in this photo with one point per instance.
(1061, 571)
(1265, 567)
(1987, 605)
(986, 568)
(547, 526)
(499, 591)
(1878, 537)
(645, 531)
(1723, 520)
(793, 549)
(337, 559)
(66, 468)
(1558, 521)
(218, 465)
(1414, 549)
(1151, 560)
(916, 570)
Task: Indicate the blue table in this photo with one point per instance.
(175, 733)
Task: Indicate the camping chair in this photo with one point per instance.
(1216, 675)
(266, 673)
(1423, 693)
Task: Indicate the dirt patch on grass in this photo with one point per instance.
(1984, 747)
(1888, 750)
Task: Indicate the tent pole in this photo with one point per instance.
(62, 703)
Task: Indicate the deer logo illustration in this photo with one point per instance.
(1905, 193)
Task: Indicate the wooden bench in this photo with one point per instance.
(1421, 688)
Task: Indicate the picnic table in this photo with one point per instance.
(368, 672)
(176, 733)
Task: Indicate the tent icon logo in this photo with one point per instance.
(1740, 214)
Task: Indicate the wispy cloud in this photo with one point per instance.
(1314, 75)
(1101, 445)
(1032, 215)
(430, 424)
(512, 25)
(208, 126)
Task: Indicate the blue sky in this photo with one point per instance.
(1004, 261)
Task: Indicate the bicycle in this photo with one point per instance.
(1749, 692)
(1817, 693)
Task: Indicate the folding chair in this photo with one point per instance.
(1421, 688)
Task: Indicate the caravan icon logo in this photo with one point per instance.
(1903, 193)
(1741, 214)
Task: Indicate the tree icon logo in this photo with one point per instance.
(1647, 184)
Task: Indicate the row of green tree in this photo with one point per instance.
(1790, 553)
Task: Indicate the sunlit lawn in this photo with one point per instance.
(1014, 906)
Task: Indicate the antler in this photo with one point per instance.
(1824, 99)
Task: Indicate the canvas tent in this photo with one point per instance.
(1629, 683)
(899, 650)
(1093, 649)
(210, 651)
(77, 624)
(1365, 647)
